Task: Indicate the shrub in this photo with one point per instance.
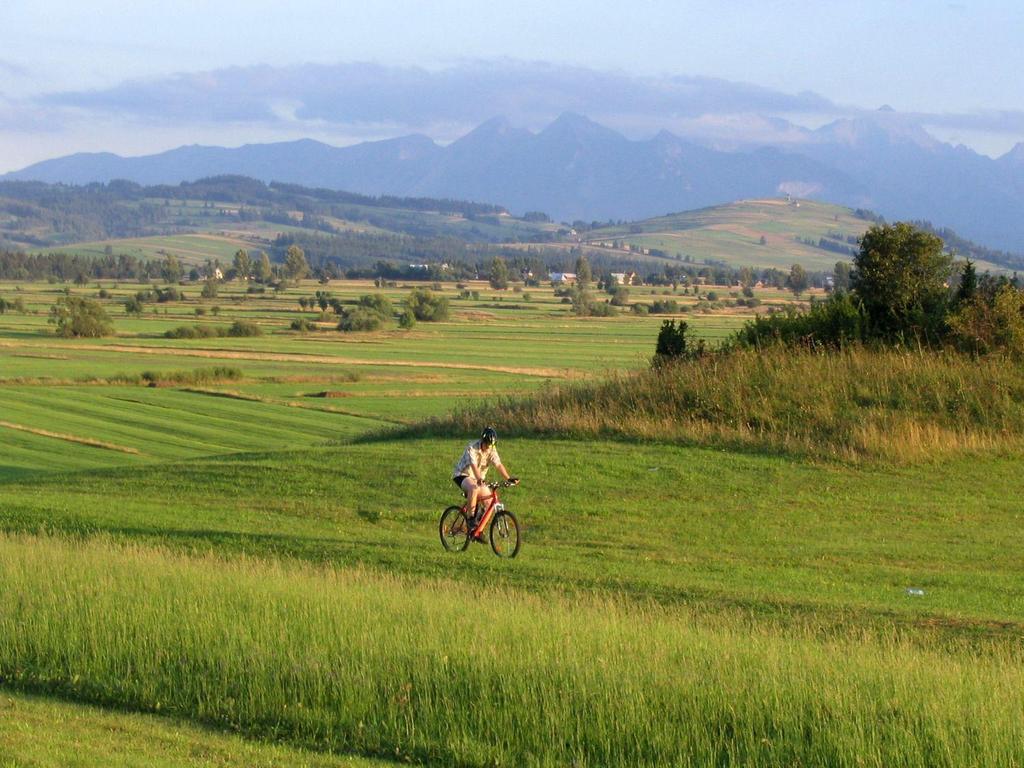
(200, 311)
(675, 343)
(985, 324)
(641, 309)
(80, 317)
(378, 303)
(664, 307)
(832, 323)
(620, 297)
(407, 319)
(303, 325)
(196, 332)
(712, 296)
(428, 307)
(244, 328)
(360, 319)
(170, 293)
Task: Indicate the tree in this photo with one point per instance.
(674, 343)
(133, 306)
(968, 284)
(797, 281)
(583, 273)
(295, 264)
(170, 269)
(264, 272)
(209, 289)
(498, 275)
(242, 264)
(900, 277)
(77, 316)
(841, 276)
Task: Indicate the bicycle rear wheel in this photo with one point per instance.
(454, 530)
(505, 538)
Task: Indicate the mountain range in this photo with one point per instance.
(577, 169)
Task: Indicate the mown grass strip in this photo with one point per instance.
(443, 672)
(71, 438)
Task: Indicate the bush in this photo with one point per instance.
(80, 317)
(641, 309)
(407, 319)
(675, 343)
(359, 319)
(200, 311)
(986, 324)
(378, 303)
(833, 323)
(664, 307)
(620, 297)
(164, 295)
(244, 328)
(196, 332)
(712, 296)
(426, 306)
(302, 325)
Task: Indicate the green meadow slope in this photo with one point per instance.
(732, 234)
(255, 551)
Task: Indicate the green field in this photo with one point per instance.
(246, 570)
(731, 234)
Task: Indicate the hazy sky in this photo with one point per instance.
(957, 61)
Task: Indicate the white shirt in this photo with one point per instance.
(475, 456)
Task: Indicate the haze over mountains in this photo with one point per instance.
(577, 169)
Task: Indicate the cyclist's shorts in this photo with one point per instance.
(458, 480)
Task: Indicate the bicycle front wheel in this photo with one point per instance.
(505, 538)
(454, 530)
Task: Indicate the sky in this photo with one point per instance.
(137, 77)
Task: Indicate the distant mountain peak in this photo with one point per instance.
(882, 127)
(1015, 155)
(571, 125)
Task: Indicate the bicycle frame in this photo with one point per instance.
(489, 510)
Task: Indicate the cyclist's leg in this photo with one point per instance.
(471, 491)
(485, 499)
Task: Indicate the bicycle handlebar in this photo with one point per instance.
(504, 483)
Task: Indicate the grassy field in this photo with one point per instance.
(732, 234)
(256, 551)
(43, 732)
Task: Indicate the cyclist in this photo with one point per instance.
(470, 471)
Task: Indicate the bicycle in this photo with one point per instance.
(503, 533)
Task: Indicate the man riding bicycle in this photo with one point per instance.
(470, 471)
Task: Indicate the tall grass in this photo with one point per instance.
(851, 404)
(446, 672)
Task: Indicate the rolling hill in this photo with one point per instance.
(577, 169)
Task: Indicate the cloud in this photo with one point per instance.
(992, 121)
(468, 92)
(13, 69)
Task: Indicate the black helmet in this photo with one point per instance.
(489, 436)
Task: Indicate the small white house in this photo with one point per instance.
(563, 277)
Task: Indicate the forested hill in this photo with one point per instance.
(36, 214)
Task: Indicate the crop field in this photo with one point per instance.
(224, 551)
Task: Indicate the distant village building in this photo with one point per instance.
(624, 278)
(563, 277)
